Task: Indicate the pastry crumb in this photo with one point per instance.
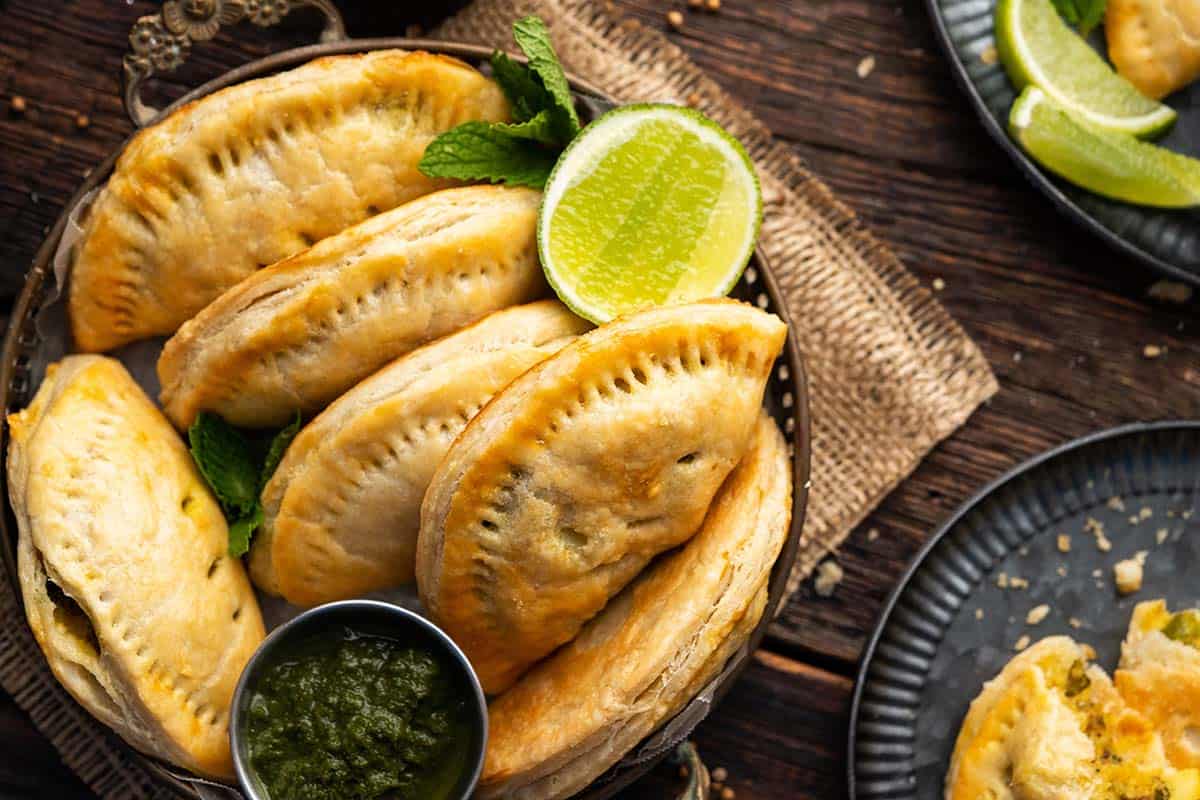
(1037, 614)
(1002, 580)
(1018, 583)
(989, 55)
(1096, 573)
(1115, 503)
(720, 774)
(1153, 351)
(1061, 571)
(1064, 543)
(1170, 291)
(1128, 573)
(1145, 513)
(1075, 623)
(938, 284)
(979, 613)
(1021, 644)
(675, 19)
(866, 66)
(829, 575)
(872, 534)
(1161, 536)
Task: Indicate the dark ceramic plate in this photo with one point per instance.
(1168, 241)
(949, 627)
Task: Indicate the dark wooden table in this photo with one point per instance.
(1063, 321)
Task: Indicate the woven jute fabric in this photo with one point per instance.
(891, 374)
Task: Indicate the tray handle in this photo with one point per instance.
(162, 42)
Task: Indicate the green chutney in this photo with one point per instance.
(358, 717)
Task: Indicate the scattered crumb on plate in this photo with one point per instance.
(872, 534)
(1075, 623)
(1021, 644)
(866, 66)
(1064, 543)
(1161, 535)
(979, 613)
(1037, 614)
(1128, 573)
(1115, 503)
(989, 56)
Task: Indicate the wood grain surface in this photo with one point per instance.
(1064, 321)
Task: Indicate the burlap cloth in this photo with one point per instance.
(891, 374)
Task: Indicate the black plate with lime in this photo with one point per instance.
(1166, 240)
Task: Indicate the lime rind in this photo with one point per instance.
(1114, 165)
(581, 157)
(1037, 48)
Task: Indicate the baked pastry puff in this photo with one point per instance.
(296, 335)
(1154, 44)
(342, 511)
(1159, 676)
(584, 468)
(258, 172)
(652, 648)
(1052, 726)
(129, 590)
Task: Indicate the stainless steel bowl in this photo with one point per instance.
(362, 616)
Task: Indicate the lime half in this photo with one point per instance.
(651, 205)
(1038, 48)
(1111, 164)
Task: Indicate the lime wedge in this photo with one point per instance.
(1038, 48)
(650, 205)
(1111, 164)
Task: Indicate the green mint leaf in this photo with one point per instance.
(1091, 14)
(1082, 14)
(223, 456)
(541, 128)
(534, 40)
(279, 445)
(242, 529)
(478, 151)
(524, 93)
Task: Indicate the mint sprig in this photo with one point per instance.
(1082, 14)
(520, 153)
(237, 465)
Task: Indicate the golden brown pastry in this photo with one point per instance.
(583, 469)
(1160, 676)
(1154, 44)
(258, 172)
(123, 563)
(298, 334)
(341, 513)
(653, 647)
(1051, 726)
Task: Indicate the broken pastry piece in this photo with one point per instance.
(1052, 726)
(341, 514)
(582, 470)
(124, 568)
(258, 172)
(1160, 676)
(297, 335)
(1154, 44)
(652, 648)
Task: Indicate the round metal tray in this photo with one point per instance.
(1165, 240)
(950, 625)
(786, 396)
